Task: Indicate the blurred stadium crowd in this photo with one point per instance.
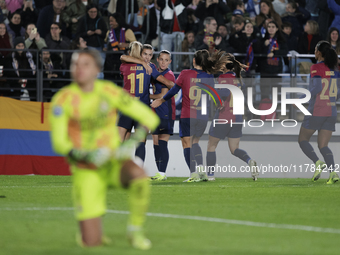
(43, 35)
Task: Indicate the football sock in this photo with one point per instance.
(164, 155)
(307, 149)
(140, 151)
(211, 160)
(196, 149)
(139, 198)
(189, 159)
(241, 154)
(328, 156)
(157, 154)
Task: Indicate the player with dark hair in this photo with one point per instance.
(325, 90)
(83, 128)
(231, 75)
(192, 121)
(167, 113)
(136, 82)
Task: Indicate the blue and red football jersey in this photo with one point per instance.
(325, 89)
(227, 111)
(167, 110)
(137, 81)
(191, 82)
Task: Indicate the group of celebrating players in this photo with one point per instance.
(84, 117)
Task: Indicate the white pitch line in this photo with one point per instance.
(198, 218)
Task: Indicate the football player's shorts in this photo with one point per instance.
(90, 188)
(165, 127)
(319, 122)
(192, 127)
(222, 131)
(126, 122)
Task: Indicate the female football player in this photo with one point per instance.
(137, 82)
(192, 121)
(232, 76)
(83, 128)
(324, 88)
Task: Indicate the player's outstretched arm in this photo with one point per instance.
(58, 118)
(167, 96)
(160, 95)
(165, 81)
(129, 59)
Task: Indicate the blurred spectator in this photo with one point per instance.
(297, 16)
(172, 23)
(51, 14)
(301, 3)
(212, 8)
(118, 39)
(5, 40)
(14, 27)
(20, 65)
(153, 24)
(239, 10)
(121, 7)
(92, 28)
(39, 4)
(13, 5)
(263, 29)
(274, 46)
(209, 39)
(334, 6)
(56, 41)
(253, 8)
(244, 38)
(222, 30)
(51, 70)
(194, 4)
(309, 38)
(78, 44)
(28, 13)
(33, 39)
(312, 6)
(5, 11)
(267, 11)
(334, 39)
(280, 6)
(193, 21)
(292, 40)
(188, 46)
(306, 45)
(73, 13)
(238, 24)
(142, 12)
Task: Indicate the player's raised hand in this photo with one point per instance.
(125, 151)
(96, 157)
(99, 156)
(156, 103)
(148, 68)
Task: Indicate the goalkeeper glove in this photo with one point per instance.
(96, 157)
(126, 149)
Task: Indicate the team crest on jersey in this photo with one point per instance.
(104, 106)
(57, 110)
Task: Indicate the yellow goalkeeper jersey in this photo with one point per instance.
(88, 120)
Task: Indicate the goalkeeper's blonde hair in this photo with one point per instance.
(136, 49)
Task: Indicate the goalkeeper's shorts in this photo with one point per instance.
(90, 188)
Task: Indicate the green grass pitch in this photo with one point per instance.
(36, 217)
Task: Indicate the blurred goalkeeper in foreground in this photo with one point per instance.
(83, 128)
